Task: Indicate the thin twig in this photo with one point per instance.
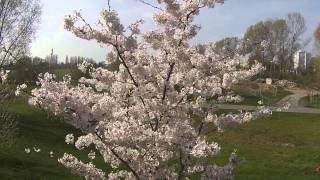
(109, 6)
(151, 5)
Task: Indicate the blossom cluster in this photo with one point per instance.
(233, 119)
(286, 84)
(4, 75)
(142, 116)
(19, 89)
(230, 99)
(37, 150)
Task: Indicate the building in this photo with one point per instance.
(52, 59)
(301, 60)
(74, 60)
(67, 60)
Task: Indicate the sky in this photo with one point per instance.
(227, 20)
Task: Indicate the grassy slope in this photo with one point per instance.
(36, 130)
(261, 145)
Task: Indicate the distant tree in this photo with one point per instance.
(274, 42)
(226, 46)
(297, 27)
(25, 71)
(18, 23)
(254, 36)
(278, 51)
(315, 71)
(317, 40)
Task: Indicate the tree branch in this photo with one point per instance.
(109, 6)
(151, 5)
(165, 89)
(122, 160)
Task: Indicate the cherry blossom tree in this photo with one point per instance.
(147, 119)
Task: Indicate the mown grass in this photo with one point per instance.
(284, 146)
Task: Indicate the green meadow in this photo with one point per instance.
(283, 146)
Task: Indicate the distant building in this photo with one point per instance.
(301, 60)
(67, 60)
(74, 60)
(52, 59)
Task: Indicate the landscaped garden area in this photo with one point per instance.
(254, 92)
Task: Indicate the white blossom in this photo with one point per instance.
(203, 149)
(89, 171)
(4, 75)
(27, 150)
(51, 154)
(36, 149)
(19, 88)
(69, 139)
(92, 155)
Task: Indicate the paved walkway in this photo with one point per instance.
(293, 99)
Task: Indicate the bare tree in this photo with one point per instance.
(317, 40)
(297, 27)
(18, 23)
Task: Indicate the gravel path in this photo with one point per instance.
(293, 99)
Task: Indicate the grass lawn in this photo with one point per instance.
(285, 146)
(268, 97)
(35, 129)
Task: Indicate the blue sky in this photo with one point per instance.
(230, 19)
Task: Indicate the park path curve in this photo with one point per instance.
(275, 109)
(292, 99)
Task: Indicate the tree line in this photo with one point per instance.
(274, 43)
